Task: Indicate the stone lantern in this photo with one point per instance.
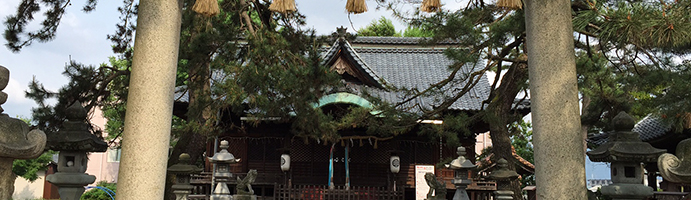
(625, 150)
(73, 141)
(182, 171)
(222, 160)
(17, 141)
(503, 175)
(461, 167)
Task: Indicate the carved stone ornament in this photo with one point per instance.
(677, 168)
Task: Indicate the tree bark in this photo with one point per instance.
(500, 114)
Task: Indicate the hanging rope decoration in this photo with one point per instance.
(356, 6)
(282, 6)
(510, 4)
(430, 6)
(207, 8)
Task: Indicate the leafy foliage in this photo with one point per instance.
(630, 58)
(99, 194)
(522, 141)
(381, 27)
(28, 169)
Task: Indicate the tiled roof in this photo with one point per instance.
(486, 164)
(394, 40)
(420, 68)
(649, 128)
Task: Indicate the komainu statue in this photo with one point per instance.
(437, 189)
(244, 186)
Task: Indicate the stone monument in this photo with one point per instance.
(625, 150)
(17, 141)
(461, 166)
(503, 175)
(73, 141)
(182, 171)
(677, 168)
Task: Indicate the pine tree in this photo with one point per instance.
(628, 59)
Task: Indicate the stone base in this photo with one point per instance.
(623, 191)
(503, 195)
(244, 197)
(221, 197)
(461, 194)
(70, 185)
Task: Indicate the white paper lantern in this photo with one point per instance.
(395, 164)
(285, 162)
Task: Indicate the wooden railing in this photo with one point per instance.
(321, 192)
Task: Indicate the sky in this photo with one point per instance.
(82, 37)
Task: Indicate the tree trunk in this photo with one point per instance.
(500, 114)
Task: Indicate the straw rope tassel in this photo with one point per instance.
(207, 8)
(282, 6)
(510, 4)
(430, 6)
(356, 6)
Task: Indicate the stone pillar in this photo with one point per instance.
(559, 152)
(146, 137)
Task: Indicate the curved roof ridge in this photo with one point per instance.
(396, 40)
(401, 50)
(364, 65)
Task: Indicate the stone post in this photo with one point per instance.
(16, 141)
(559, 152)
(146, 139)
(73, 141)
(461, 166)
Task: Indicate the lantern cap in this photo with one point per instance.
(625, 145)
(461, 162)
(183, 166)
(75, 134)
(502, 172)
(224, 156)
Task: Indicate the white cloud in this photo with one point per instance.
(15, 92)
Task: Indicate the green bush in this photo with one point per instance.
(98, 194)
